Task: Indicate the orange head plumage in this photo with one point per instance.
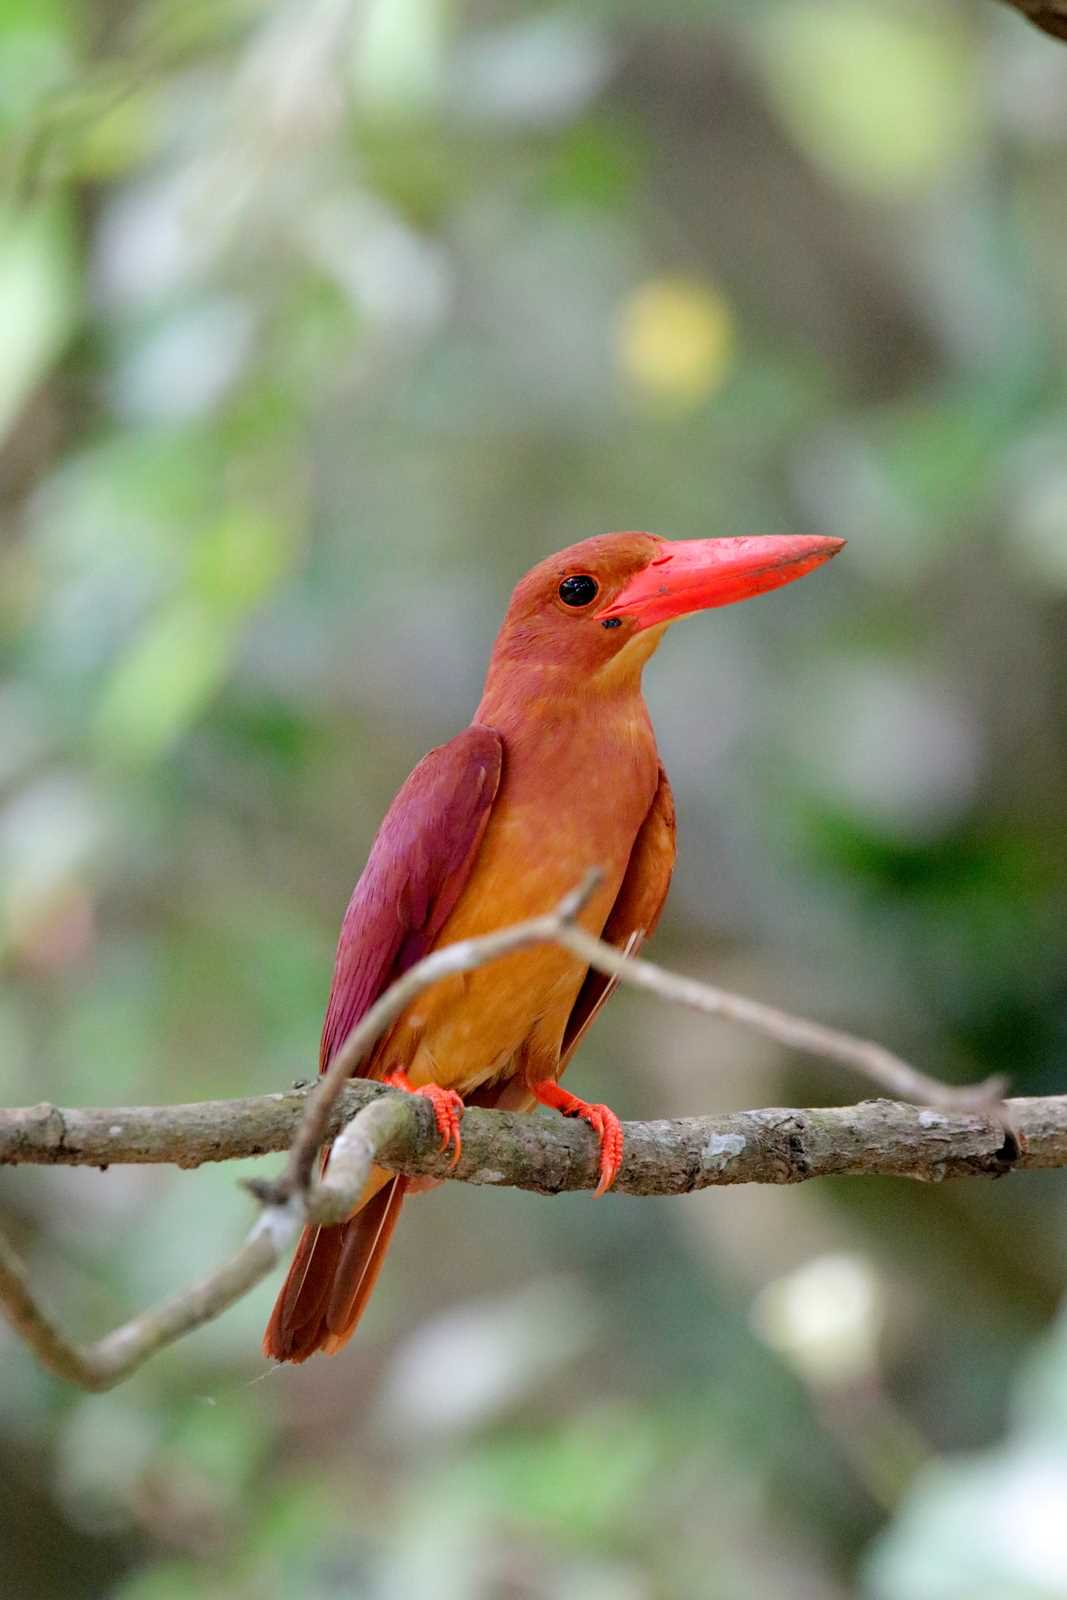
(593, 613)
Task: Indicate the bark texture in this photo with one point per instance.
(548, 1154)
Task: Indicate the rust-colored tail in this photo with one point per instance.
(331, 1279)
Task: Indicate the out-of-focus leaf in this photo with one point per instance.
(398, 55)
(241, 558)
(991, 1523)
(50, 834)
(35, 55)
(1035, 491)
(586, 1474)
(825, 1318)
(496, 1352)
(108, 1440)
(163, 682)
(882, 96)
(187, 366)
(892, 745)
(599, 163)
(38, 298)
(538, 70)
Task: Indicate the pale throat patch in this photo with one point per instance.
(628, 661)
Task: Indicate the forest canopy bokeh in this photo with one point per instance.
(320, 323)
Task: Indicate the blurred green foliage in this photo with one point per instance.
(322, 322)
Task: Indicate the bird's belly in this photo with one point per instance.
(472, 1029)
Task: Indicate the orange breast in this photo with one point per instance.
(565, 803)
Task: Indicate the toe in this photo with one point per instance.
(448, 1112)
(609, 1131)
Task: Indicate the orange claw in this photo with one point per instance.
(603, 1121)
(448, 1110)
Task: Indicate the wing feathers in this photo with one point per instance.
(636, 911)
(417, 867)
(414, 875)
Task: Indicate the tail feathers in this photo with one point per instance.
(331, 1279)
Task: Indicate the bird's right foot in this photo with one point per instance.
(448, 1110)
(603, 1121)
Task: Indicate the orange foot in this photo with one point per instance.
(448, 1110)
(603, 1121)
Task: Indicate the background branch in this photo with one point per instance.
(1048, 15)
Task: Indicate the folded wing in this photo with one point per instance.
(418, 865)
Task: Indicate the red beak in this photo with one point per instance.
(695, 574)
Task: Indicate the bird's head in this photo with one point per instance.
(598, 609)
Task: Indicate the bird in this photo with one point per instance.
(558, 772)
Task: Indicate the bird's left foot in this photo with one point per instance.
(603, 1121)
(448, 1110)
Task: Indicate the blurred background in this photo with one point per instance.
(321, 322)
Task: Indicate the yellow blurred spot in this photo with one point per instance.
(676, 340)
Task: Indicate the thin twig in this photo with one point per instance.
(217, 1130)
(870, 1060)
(118, 1354)
(560, 926)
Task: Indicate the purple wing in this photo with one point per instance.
(415, 873)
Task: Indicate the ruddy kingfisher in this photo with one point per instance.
(557, 772)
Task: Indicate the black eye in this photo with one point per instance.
(579, 590)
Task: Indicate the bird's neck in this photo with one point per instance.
(541, 701)
(580, 771)
(520, 687)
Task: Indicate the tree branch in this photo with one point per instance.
(550, 1154)
(971, 1132)
(561, 927)
(1048, 15)
(543, 1154)
(870, 1060)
